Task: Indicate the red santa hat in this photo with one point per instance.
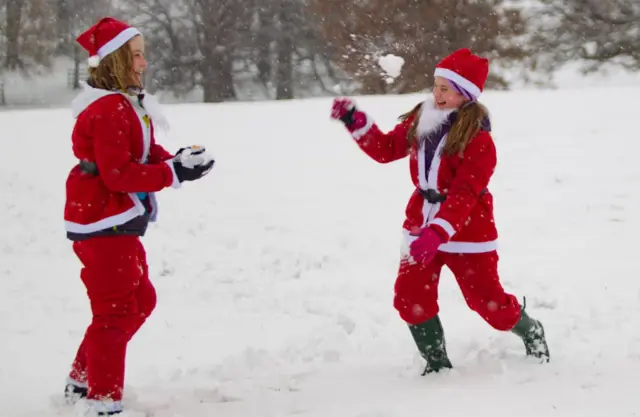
(465, 69)
(106, 36)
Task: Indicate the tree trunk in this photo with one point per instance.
(14, 14)
(284, 76)
(263, 43)
(76, 67)
(64, 28)
(284, 81)
(217, 77)
(217, 49)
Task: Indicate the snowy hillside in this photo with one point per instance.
(275, 273)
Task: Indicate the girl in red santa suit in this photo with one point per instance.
(449, 217)
(110, 201)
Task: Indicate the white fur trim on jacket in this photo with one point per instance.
(451, 246)
(153, 108)
(115, 220)
(176, 182)
(87, 96)
(444, 225)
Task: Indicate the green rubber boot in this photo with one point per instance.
(429, 338)
(531, 332)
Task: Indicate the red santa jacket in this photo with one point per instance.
(114, 135)
(466, 215)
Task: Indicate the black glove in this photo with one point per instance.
(191, 174)
(192, 164)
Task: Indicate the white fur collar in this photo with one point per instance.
(431, 117)
(89, 94)
(152, 106)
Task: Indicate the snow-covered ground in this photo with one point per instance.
(275, 273)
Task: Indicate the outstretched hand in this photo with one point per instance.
(341, 107)
(344, 110)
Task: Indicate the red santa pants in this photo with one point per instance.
(416, 288)
(116, 277)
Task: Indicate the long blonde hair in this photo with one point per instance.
(467, 124)
(115, 71)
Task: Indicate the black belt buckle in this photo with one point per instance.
(432, 196)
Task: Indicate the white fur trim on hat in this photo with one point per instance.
(458, 79)
(115, 43)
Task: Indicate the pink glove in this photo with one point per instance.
(344, 109)
(425, 247)
(341, 106)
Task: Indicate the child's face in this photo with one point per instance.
(446, 96)
(139, 62)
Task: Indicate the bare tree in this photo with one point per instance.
(219, 24)
(193, 42)
(287, 49)
(286, 17)
(71, 18)
(261, 42)
(592, 31)
(420, 31)
(171, 41)
(26, 34)
(13, 16)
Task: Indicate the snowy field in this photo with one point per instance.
(275, 273)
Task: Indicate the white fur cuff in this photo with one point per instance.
(444, 225)
(176, 183)
(359, 133)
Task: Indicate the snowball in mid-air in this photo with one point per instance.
(391, 64)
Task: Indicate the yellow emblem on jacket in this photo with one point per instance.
(146, 120)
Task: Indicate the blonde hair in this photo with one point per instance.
(467, 124)
(115, 71)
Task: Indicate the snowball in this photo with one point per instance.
(194, 156)
(391, 64)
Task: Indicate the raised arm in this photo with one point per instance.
(381, 147)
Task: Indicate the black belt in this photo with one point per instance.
(88, 167)
(433, 196)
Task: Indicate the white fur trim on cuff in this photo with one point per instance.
(445, 225)
(357, 134)
(458, 79)
(176, 183)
